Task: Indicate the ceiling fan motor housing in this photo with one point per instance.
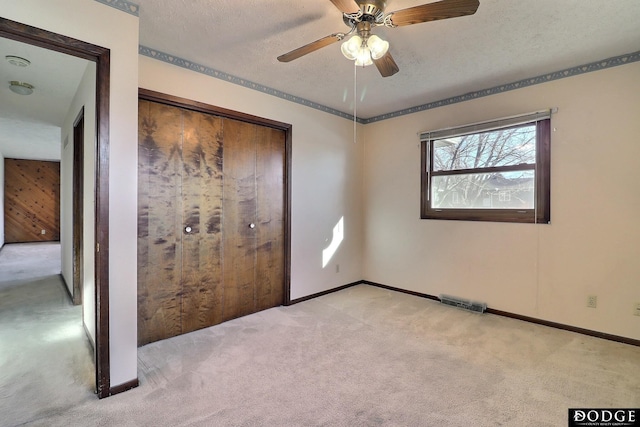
(371, 11)
(374, 9)
(370, 14)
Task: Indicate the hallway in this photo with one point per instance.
(45, 357)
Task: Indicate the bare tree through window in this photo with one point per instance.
(502, 190)
(498, 173)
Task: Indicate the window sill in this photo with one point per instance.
(517, 216)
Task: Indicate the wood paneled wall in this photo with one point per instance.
(210, 220)
(31, 201)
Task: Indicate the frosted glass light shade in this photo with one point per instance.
(351, 47)
(364, 57)
(377, 46)
(364, 52)
(21, 88)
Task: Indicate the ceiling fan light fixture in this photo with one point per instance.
(361, 16)
(364, 51)
(377, 46)
(351, 47)
(364, 57)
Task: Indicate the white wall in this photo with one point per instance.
(1, 200)
(326, 176)
(105, 26)
(85, 97)
(66, 205)
(591, 246)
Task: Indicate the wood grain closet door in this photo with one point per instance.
(253, 224)
(270, 218)
(239, 214)
(210, 220)
(159, 222)
(202, 212)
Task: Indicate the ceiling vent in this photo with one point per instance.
(17, 61)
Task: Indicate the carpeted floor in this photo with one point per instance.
(363, 356)
(46, 363)
(24, 262)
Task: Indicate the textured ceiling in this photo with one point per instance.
(505, 41)
(30, 125)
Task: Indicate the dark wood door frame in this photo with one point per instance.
(78, 205)
(188, 104)
(101, 56)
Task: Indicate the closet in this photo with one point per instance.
(211, 218)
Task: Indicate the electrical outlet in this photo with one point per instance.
(337, 268)
(636, 309)
(592, 301)
(43, 232)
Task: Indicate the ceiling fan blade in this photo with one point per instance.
(434, 11)
(311, 47)
(386, 65)
(346, 6)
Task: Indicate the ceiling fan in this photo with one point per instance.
(363, 15)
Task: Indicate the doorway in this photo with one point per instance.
(101, 56)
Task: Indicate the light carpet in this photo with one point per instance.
(367, 356)
(23, 262)
(46, 362)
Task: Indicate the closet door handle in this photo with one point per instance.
(252, 225)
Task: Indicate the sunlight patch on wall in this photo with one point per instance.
(338, 235)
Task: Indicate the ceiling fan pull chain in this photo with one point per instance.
(355, 101)
(362, 15)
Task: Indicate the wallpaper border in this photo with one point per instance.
(123, 5)
(531, 81)
(134, 9)
(203, 69)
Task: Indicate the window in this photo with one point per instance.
(492, 171)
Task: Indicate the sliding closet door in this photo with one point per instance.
(202, 180)
(159, 222)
